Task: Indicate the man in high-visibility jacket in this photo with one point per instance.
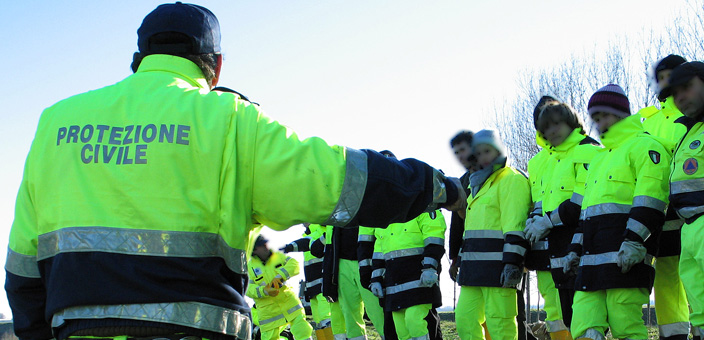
(406, 274)
(313, 271)
(670, 299)
(277, 303)
(138, 200)
(624, 203)
(686, 85)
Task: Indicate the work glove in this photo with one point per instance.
(571, 263)
(376, 289)
(630, 253)
(277, 281)
(428, 277)
(537, 227)
(454, 269)
(271, 290)
(511, 276)
(287, 248)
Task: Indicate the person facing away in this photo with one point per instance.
(139, 200)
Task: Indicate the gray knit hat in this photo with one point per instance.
(489, 137)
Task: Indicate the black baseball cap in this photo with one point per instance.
(260, 241)
(197, 23)
(682, 74)
(669, 63)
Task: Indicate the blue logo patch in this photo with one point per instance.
(690, 166)
(695, 144)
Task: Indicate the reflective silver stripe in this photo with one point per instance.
(689, 185)
(576, 198)
(538, 206)
(140, 242)
(22, 265)
(190, 314)
(313, 261)
(672, 329)
(422, 337)
(555, 218)
(688, 212)
(285, 272)
(476, 256)
(497, 234)
(378, 272)
(512, 248)
(520, 234)
(352, 189)
(270, 320)
(294, 308)
(259, 291)
(295, 246)
(439, 191)
(403, 287)
(314, 282)
(252, 281)
(365, 262)
(322, 238)
(673, 225)
(605, 208)
(578, 238)
(649, 202)
(430, 261)
(378, 256)
(540, 245)
(434, 240)
(366, 238)
(555, 326)
(361, 337)
(609, 258)
(558, 262)
(592, 334)
(697, 331)
(341, 336)
(403, 252)
(638, 228)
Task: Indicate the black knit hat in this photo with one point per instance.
(261, 241)
(682, 74)
(610, 99)
(669, 63)
(541, 103)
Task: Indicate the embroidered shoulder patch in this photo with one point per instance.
(654, 156)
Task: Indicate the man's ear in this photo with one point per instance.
(217, 70)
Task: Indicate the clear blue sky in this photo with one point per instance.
(398, 75)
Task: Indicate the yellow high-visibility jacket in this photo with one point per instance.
(625, 197)
(273, 310)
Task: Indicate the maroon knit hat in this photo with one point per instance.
(610, 99)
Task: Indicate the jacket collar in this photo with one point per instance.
(574, 138)
(181, 67)
(622, 131)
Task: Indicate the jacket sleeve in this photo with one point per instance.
(515, 203)
(302, 244)
(25, 289)
(365, 251)
(289, 268)
(335, 185)
(650, 196)
(432, 226)
(378, 261)
(535, 186)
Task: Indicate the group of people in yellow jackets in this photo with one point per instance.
(599, 222)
